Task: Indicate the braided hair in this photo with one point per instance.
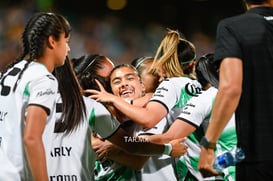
(35, 36)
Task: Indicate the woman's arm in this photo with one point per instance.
(107, 150)
(35, 124)
(139, 146)
(147, 116)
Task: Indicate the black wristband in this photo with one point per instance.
(207, 144)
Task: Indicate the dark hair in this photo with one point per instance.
(207, 71)
(138, 61)
(73, 106)
(35, 36)
(186, 54)
(141, 64)
(86, 68)
(124, 65)
(86, 64)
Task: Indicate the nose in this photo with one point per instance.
(124, 83)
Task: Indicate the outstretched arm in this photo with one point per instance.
(147, 116)
(179, 129)
(140, 146)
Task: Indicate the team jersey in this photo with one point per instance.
(37, 87)
(197, 112)
(162, 167)
(71, 156)
(109, 170)
(174, 93)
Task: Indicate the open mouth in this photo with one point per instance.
(126, 94)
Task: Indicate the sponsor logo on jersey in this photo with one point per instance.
(50, 77)
(3, 115)
(185, 111)
(159, 91)
(45, 93)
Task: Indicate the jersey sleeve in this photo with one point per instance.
(42, 92)
(166, 94)
(101, 121)
(195, 111)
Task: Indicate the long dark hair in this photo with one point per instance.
(73, 106)
(35, 36)
(207, 71)
(86, 68)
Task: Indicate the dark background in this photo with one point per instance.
(124, 34)
(187, 15)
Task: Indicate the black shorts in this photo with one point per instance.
(254, 171)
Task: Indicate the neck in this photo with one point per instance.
(264, 4)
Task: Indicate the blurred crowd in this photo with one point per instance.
(111, 36)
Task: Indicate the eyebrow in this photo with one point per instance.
(126, 75)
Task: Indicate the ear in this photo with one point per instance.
(143, 90)
(51, 42)
(192, 64)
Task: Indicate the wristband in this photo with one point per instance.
(207, 144)
(167, 149)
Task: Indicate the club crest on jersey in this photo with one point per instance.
(192, 89)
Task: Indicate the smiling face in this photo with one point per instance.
(126, 83)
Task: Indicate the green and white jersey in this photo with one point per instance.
(37, 87)
(174, 93)
(162, 167)
(197, 112)
(71, 156)
(112, 171)
(109, 170)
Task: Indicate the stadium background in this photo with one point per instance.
(119, 29)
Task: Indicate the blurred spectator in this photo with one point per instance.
(121, 41)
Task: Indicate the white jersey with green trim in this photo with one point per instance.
(71, 156)
(174, 93)
(112, 171)
(162, 167)
(197, 112)
(37, 87)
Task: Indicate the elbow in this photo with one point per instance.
(149, 123)
(30, 141)
(231, 91)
